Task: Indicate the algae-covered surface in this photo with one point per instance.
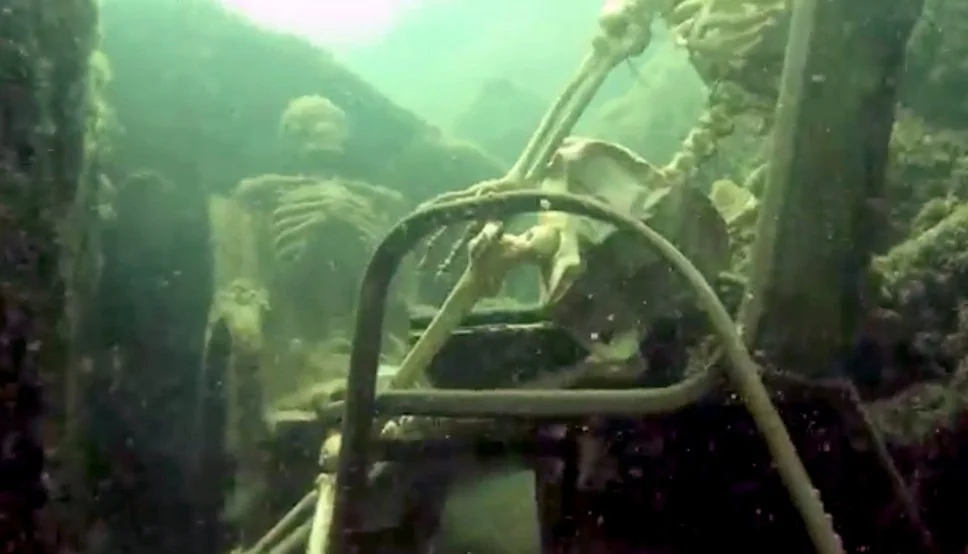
(192, 192)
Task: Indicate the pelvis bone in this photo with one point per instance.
(602, 283)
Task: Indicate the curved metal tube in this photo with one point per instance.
(530, 402)
(351, 474)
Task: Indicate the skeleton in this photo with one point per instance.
(624, 31)
(553, 244)
(705, 27)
